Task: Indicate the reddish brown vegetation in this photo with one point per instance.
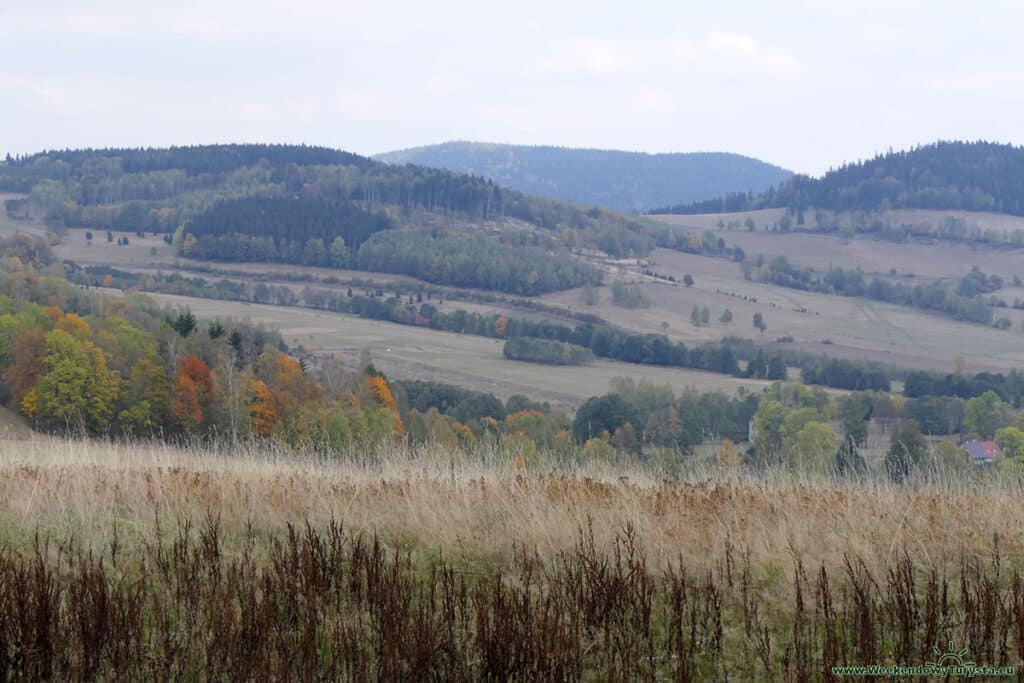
(329, 605)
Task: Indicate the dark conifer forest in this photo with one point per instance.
(969, 176)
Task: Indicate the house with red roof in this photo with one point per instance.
(983, 452)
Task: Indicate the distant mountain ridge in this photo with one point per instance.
(968, 176)
(624, 181)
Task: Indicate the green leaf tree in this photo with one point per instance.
(1011, 441)
(812, 448)
(907, 450)
(985, 414)
(76, 389)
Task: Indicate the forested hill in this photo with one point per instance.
(160, 189)
(969, 176)
(624, 181)
(325, 207)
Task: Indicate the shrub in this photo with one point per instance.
(547, 351)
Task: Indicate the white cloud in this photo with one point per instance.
(52, 96)
(601, 56)
(780, 63)
(209, 20)
(371, 104)
(592, 56)
(753, 55)
(204, 27)
(653, 101)
(683, 51)
(50, 21)
(734, 43)
(255, 111)
(979, 81)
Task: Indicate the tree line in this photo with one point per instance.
(546, 351)
(637, 414)
(194, 160)
(1009, 387)
(964, 300)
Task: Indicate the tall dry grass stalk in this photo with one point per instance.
(479, 505)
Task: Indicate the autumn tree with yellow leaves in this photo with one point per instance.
(380, 389)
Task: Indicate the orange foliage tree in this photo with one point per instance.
(193, 391)
(381, 390)
(288, 402)
(291, 382)
(29, 353)
(73, 324)
(263, 410)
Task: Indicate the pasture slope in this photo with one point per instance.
(839, 326)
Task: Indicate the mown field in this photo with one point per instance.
(856, 328)
(140, 561)
(473, 362)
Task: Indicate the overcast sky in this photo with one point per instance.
(806, 85)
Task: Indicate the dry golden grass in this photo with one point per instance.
(151, 562)
(477, 507)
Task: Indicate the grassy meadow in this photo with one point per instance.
(149, 561)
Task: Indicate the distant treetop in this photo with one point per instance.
(196, 159)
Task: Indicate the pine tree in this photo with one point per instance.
(849, 461)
